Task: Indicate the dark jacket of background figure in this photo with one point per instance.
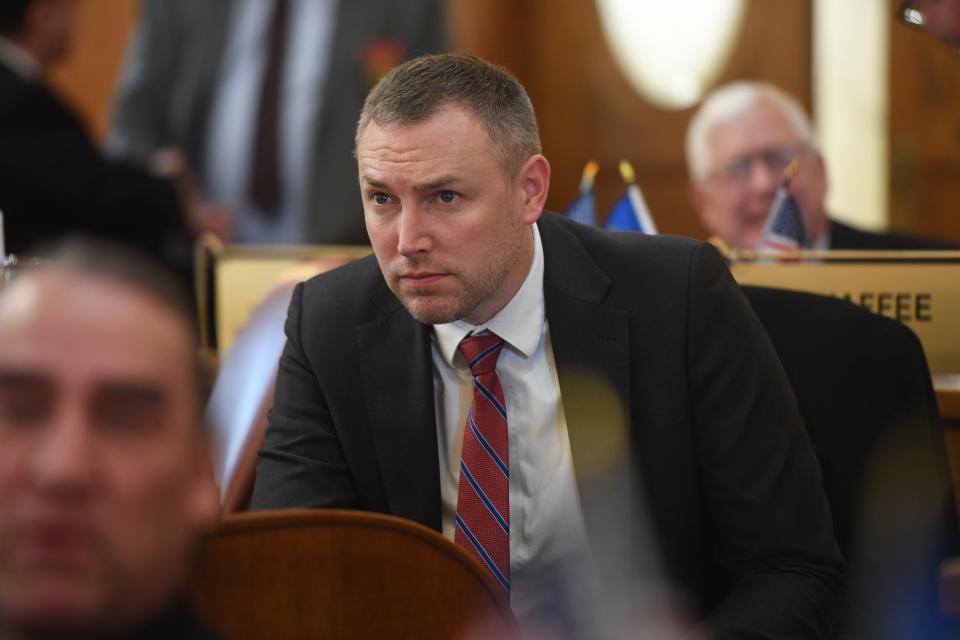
(866, 397)
(843, 236)
(169, 82)
(732, 488)
(54, 181)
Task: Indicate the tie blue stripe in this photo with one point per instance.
(483, 354)
(489, 396)
(483, 554)
(465, 473)
(486, 445)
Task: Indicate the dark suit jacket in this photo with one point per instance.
(846, 237)
(732, 488)
(170, 78)
(53, 181)
(867, 400)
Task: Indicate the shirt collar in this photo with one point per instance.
(19, 60)
(519, 323)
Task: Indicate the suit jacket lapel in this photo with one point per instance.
(592, 353)
(397, 373)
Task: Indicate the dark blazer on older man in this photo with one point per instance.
(731, 486)
(844, 236)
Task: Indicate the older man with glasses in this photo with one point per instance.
(739, 145)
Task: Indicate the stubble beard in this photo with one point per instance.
(431, 308)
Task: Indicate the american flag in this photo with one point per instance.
(784, 227)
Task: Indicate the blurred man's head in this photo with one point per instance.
(44, 28)
(738, 145)
(104, 481)
(940, 17)
(452, 178)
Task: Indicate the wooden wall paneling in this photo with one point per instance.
(587, 109)
(924, 121)
(87, 78)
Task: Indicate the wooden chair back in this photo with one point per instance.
(339, 574)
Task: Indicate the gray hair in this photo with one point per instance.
(730, 102)
(415, 90)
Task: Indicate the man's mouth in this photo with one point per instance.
(421, 279)
(55, 542)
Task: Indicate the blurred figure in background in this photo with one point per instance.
(257, 102)
(739, 143)
(104, 472)
(939, 17)
(53, 180)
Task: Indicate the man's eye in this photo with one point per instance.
(128, 410)
(447, 197)
(381, 198)
(24, 409)
(25, 402)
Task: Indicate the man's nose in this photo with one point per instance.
(763, 178)
(64, 464)
(413, 232)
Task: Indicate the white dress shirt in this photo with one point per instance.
(236, 101)
(546, 522)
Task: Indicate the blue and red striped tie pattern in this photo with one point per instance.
(483, 497)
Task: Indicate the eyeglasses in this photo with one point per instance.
(774, 159)
(908, 14)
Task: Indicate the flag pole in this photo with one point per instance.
(589, 176)
(636, 197)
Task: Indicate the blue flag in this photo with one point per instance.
(784, 229)
(630, 213)
(584, 208)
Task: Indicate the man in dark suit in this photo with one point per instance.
(615, 343)
(52, 179)
(194, 82)
(739, 143)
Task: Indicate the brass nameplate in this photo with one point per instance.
(920, 289)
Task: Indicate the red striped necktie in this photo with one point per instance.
(483, 497)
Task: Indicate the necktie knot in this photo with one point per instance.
(481, 352)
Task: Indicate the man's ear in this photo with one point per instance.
(535, 183)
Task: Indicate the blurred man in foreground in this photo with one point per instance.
(738, 146)
(471, 373)
(104, 479)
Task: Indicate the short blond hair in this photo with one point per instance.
(415, 90)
